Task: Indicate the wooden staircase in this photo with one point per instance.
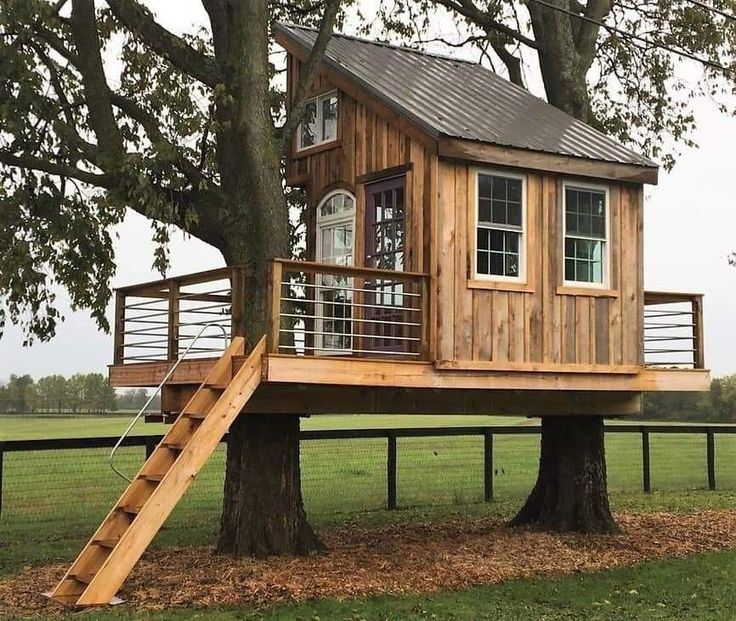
(109, 556)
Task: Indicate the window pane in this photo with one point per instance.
(483, 239)
(570, 270)
(309, 125)
(482, 266)
(497, 264)
(582, 269)
(329, 117)
(514, 190)
(496, 240)
(484, 210)
(512, 265)
(514, 213)
(499, 188)
(485, 184)
(499, 212)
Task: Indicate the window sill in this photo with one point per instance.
(318, 148)
(500, 285)
(591, 292)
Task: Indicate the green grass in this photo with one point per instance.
(695, 588)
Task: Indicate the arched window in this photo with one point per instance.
(335, 242)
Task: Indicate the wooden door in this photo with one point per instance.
(384, 249)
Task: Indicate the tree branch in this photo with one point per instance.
(513, 64)
(180, 54)
(587, 31)
(59, 170)
(97, 94)
(309, 69)
(467, 9)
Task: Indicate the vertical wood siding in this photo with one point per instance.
(536, 326)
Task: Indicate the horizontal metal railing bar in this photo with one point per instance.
(153, 342)
(355, 319)
(395, 309)
(665, 326)
(662, 312)
(669, 351)
(197, 309)
(161, 329)
(654, 339)
(352, 335)
(289, 265)
(137, 305)
(156, 323)
(671, 365)
(161, 313)
(381, 352)
(194, 294)
(51, 444)
(375, 291)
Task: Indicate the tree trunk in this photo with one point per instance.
(263, 512)
(571, 490)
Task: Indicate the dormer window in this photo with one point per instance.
(319, 124)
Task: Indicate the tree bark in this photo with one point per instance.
(263, 511)
(571, 491)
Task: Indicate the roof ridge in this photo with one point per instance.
(393, 46)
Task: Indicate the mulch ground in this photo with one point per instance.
(416, 558)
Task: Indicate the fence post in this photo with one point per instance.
(150, 446)
(711, 456)
(391, 471)
(488, 464)
(646, 470)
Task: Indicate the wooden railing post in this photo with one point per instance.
(711, 458)
(645, 465)
(424, 301)
(118, 356)
(273, 337)
(699, 353)
(237, 302)
(488, 464)
(391, 472)
(172, 349)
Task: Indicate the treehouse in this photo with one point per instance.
(471, 249)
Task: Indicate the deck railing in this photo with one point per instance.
(321, 309)
(156, 320)
(673, 330)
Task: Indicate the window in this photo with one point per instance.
(500, 226)
(586, 226)
(335, 224)
(320, 121)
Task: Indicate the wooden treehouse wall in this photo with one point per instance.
(541, 323)
(368, 146)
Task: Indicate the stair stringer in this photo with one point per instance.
(113, 571)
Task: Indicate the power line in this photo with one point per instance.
(713, 9)
(635, 37)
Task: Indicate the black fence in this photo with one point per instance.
(348, 471)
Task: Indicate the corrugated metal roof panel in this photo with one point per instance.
(461, 99)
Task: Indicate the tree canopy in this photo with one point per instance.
(103, 109)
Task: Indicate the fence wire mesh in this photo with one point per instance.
(62, 493)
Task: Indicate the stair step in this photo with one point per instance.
(194, 415)
(220, 387)
(174, 446)
(156, 478)
(83, 578)
(106, 543)
(130, 509)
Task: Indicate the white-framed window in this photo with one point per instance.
(500, 215)
(586, 234)
(335, 242)
(319, 124)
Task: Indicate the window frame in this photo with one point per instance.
(606, 256)
(319, 120)
(325, 222)
(521, 279)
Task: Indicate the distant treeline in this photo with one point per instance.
(82, 393)
(718, 405)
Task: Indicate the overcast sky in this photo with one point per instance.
(689, 223)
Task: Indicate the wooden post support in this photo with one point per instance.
(391, 472)
(118, 356)
(172, 350)
(645, 464)
(237, 302)
(488, 464)
(424, 328)
(711, 456)
(699, 353)
(275, 276)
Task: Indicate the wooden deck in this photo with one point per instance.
(346, 339)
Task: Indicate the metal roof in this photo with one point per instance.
(460, 99)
